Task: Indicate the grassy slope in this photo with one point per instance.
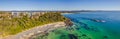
(16, 25)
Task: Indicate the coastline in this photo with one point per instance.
(39, 29)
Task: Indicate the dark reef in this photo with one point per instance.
(72, 36)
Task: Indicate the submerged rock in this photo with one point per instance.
(77, 28)
(69, 28)
(89, 38)
(84, 35)
(63, 37)
(105, 36)
(85, 26)
(72, 36)
(95, 29)
(97, 20)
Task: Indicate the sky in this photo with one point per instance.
(59, 5)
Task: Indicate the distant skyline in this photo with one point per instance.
(8, 5)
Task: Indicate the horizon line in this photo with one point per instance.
(59, 10)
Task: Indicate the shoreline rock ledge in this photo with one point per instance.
(68, 23)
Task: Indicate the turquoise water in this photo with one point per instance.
(88, 25)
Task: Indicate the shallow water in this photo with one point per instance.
(89, 25)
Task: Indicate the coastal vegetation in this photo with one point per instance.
(11, 26)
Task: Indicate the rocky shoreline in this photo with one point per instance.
(44, 29)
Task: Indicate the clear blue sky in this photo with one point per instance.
(59, 4)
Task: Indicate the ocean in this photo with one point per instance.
(89, 25)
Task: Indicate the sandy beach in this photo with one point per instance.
(36, 30)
